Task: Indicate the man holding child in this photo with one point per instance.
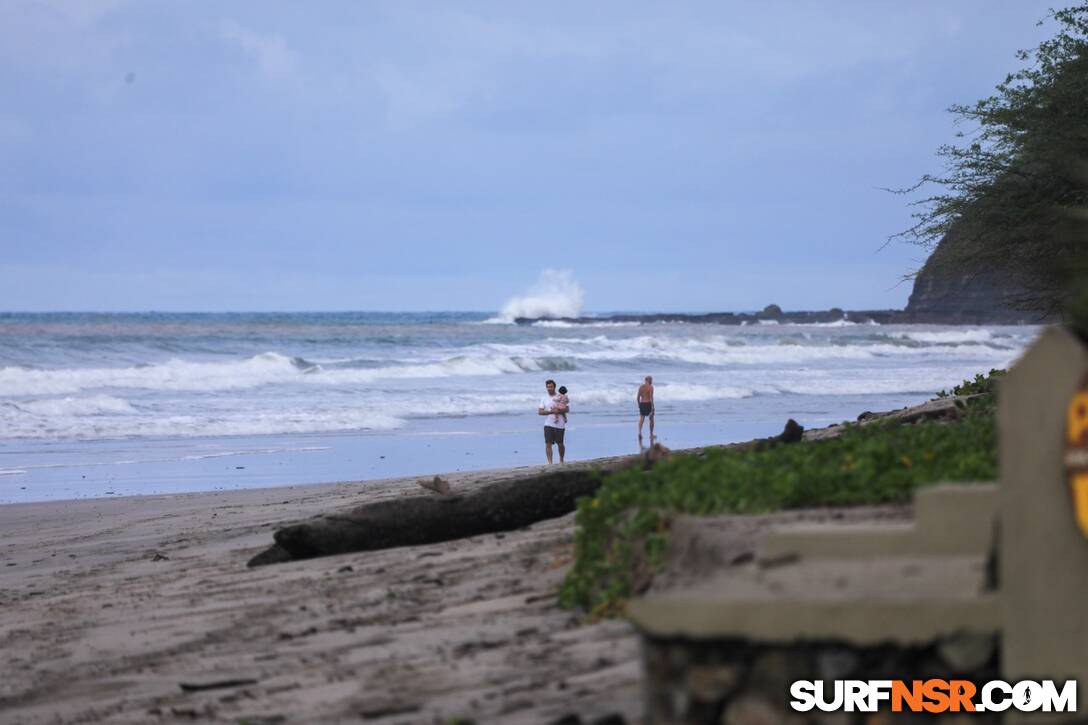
(554, 406)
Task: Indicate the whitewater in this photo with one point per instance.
(95, 404)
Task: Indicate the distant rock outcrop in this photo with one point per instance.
(962, 283)
(948, 289)
(770, 312)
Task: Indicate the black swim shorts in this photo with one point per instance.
(645, 408)
(553, 435)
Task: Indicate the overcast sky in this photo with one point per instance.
(437, 156)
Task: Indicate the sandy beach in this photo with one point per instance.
(111, 606)
(141, 609)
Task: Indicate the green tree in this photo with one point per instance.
(1014, 191)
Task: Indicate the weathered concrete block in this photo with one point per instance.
(856, 601)
(951, 519)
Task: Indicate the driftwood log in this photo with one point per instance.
(504, 505)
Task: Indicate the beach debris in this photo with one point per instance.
(655, 454)
(160, 557)
(188, 712)
(792, 433)
(507, 504)
(436, 484)
(473, 646)
(390, 710)
(274, 554)
(308, 632)
(215, 684)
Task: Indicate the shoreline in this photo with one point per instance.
(112, 605)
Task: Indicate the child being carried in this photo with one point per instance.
(562, 400)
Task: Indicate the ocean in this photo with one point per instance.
(98, 405)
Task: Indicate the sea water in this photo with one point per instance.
(120, 404)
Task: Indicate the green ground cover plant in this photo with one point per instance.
(622, 532)
(981, 384)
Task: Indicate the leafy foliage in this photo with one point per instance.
(623, 530)
(1014, 193)
(981, 384)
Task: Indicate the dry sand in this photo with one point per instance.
(110, 606)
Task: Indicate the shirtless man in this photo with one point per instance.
(645, 400)
(555, 423)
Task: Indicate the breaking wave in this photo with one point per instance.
(947, 337)
(554, 294)
(314, 374)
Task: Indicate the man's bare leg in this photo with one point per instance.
(651, 425)
(548, 451)
(562, 452)
(641, 418)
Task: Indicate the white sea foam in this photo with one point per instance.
(371, 412)
(387, 376)
(270, 420)
(174, 374)
(261, 370)
(820, 385)
(696, 392)
(90, 405)
(836, 323)
(272, 369)
(723, 351)
(947, 337)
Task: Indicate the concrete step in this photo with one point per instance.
(906, 600)
(837, 541)
(956, 506)
(949, 519)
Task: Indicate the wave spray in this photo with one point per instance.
(554, 294)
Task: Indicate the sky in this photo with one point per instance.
(212, 156)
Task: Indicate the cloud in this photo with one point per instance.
(270, 51)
